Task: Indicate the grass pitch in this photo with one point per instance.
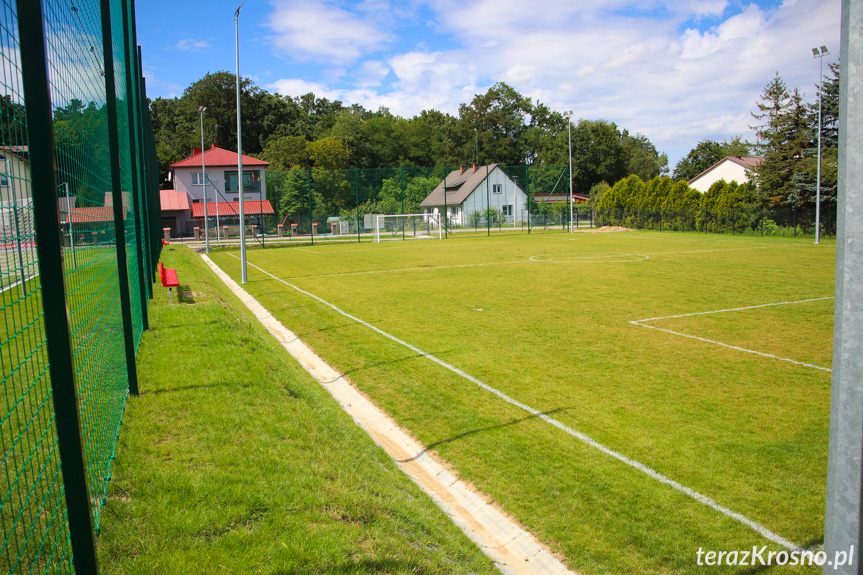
(546, 320)
(234, 460)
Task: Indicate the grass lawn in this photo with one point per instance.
(545, 319)
(234, 460)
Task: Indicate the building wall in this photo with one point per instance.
(483, 197)
(215, 178)
(727, 170)
(17, 173)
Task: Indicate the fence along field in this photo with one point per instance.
(545, 321)
(89, 148)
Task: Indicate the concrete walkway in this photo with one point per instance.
(514, 550)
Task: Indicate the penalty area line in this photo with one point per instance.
(641, 322)
(691, 493)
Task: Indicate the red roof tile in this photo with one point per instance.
(171, 200)
(218, 158)
(99, 215)
(250, 208)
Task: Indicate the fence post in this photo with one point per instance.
(139, 102)
(402, 184)
(488, 203)
(311, 227)
(18, 242)
(762, 220)
(61, 362)
(445, 219)
(131, 99)
(527, 186)
(117, 195)
(357, 200)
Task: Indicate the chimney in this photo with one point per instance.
(196, 151)
(462, 169)
(475, 167)
(213, 147)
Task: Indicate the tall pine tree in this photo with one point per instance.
(782, 136)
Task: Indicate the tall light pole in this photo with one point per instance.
(243, 271)
(201, 110)
(820, 55)
(476, 145)
(568, 116)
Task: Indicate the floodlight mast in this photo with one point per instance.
(243, 271)
(568, 116)
(820, 56)
(201, 110)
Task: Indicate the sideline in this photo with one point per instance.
(755, 526)
(641, 322)
(514, 550)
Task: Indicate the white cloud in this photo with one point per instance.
(322, 31)
(372, 72)
(192, 45)
(672, 77)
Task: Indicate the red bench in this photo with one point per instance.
(169, 279)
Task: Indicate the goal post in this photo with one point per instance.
(414, 226)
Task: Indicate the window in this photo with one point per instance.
(251, 181)
(507, 210)
(497, 188)
(4, 177)
(197, 178)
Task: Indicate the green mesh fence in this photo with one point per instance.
(319, 204)
(34, 521)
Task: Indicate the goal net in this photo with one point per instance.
(407, 226)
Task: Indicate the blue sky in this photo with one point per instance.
(678, 71)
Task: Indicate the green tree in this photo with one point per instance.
(597, 154)
(642, 158)
(495, 122)
(328, 154)
(701, 157)
(287, 152)
(783, 135)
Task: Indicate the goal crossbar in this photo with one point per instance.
(431, 221)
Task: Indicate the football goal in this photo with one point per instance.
(403, 226)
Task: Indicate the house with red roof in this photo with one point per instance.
(183, 207)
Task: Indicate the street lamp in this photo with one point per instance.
(568, 116)
(243, 271)
(820, 55)
(201, 110)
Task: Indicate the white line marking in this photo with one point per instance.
(405, 269)
(640, 322)
(574, 259)
(563, 427)
(734, 309)
(16, 284)
(514, 550)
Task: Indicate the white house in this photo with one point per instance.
(730, 168)
(179, 205)
(475, 189)
(14, 173)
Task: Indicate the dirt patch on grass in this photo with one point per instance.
(604, 229)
